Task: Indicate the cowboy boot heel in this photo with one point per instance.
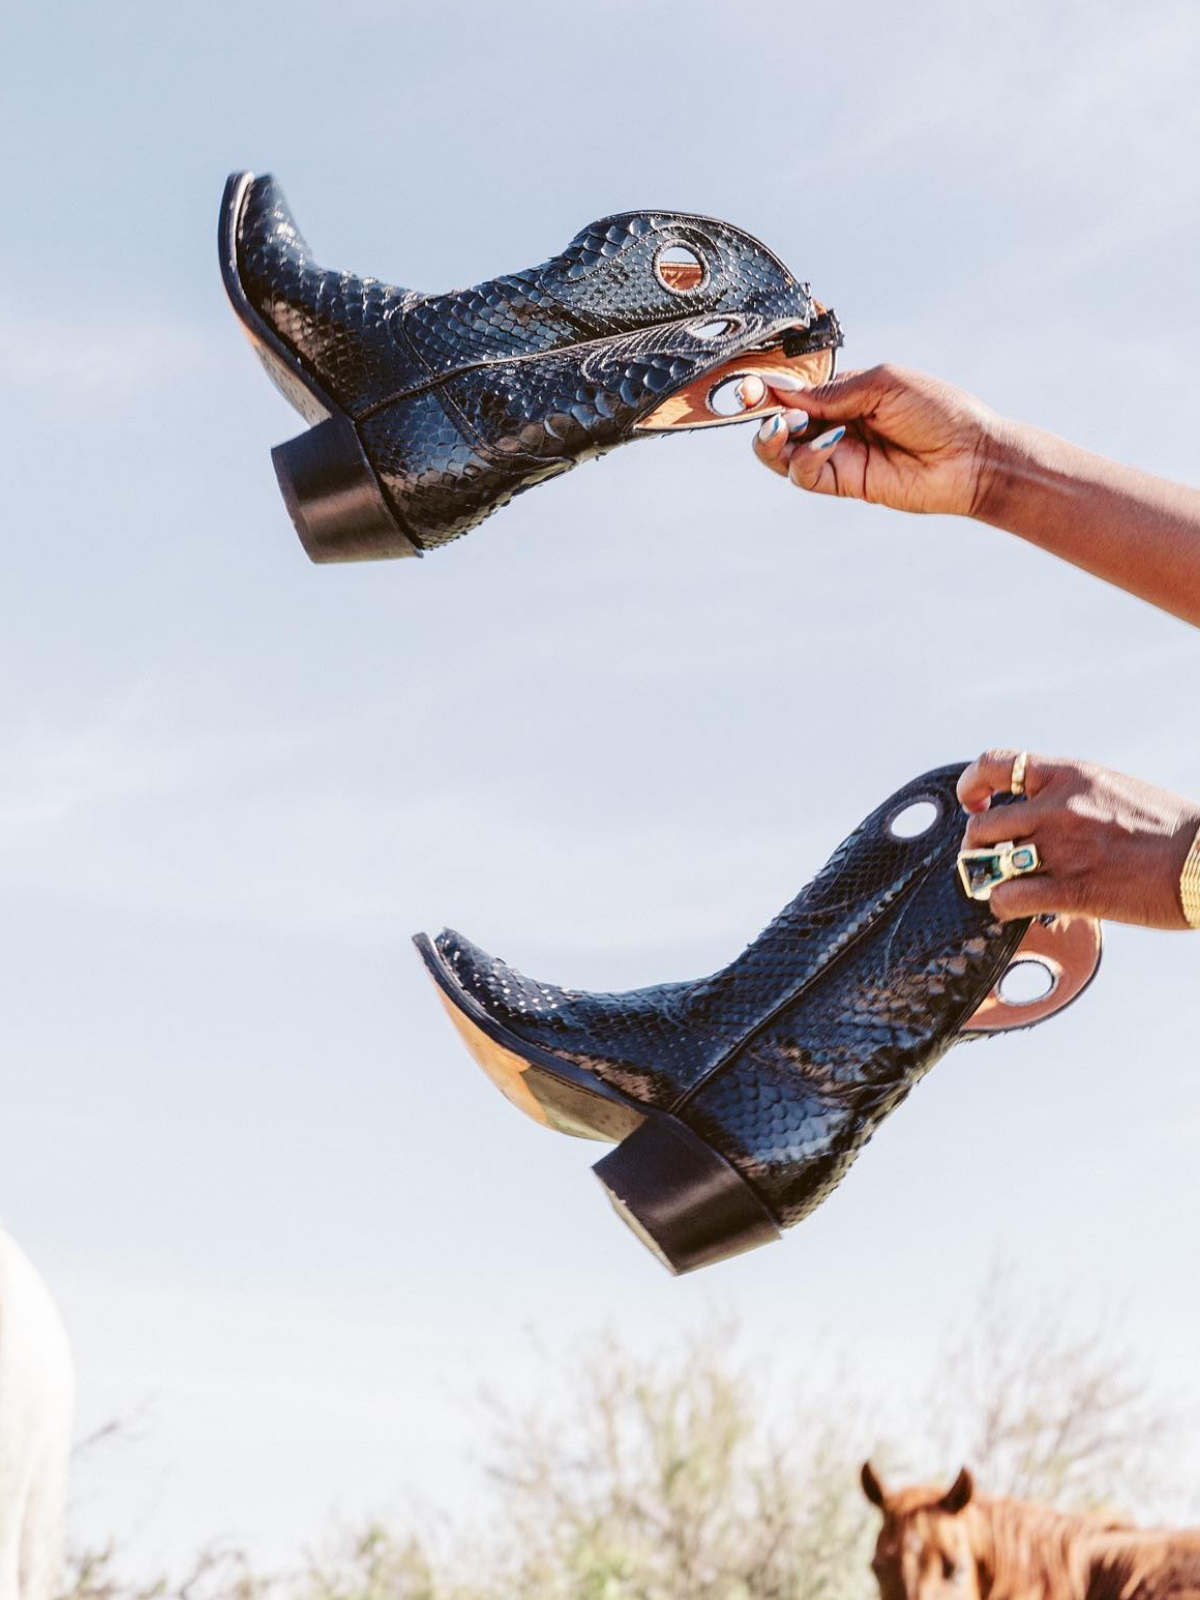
(334, 498)
(739, 1102)
(446, 406)
(683, 1200)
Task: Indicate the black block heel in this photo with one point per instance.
(682, 1199)
(334, 498)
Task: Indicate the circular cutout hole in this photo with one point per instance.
(1026, 982)
(727, 399)
(715, 328)
(914, 819)
(680, 268)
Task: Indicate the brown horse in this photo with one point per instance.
(951, 1544)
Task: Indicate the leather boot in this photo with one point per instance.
(740, 1100)
(429, 411)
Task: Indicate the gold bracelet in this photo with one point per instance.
(1189, 885)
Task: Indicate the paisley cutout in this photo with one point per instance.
(728, 399)
(680, 268)
(1068, 950)
(915, 820)
(716, 327)
(1027, 981)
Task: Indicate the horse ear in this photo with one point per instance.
(958, 1496)
(872, 1487)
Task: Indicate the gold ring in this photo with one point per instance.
(1016, 783)
(982, 870)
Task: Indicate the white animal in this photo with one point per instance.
(37, 1394)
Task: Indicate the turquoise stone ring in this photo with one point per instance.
(982, 870)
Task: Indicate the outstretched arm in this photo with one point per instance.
(917, 444)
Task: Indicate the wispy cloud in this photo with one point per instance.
(89, 359)
(130, 809)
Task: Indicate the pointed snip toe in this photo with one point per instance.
(428, 412)
(738, 1102)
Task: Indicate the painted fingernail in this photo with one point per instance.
(770, 428)
(784, 382)
(796, 421)
(752, 389)
(826, 441)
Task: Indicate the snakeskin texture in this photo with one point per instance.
(462, 400)
(788, 1059)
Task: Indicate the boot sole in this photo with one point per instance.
(328, 485)
(685, 1202)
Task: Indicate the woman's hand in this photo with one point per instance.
(1110, 846)
(894, 437)
(909, 441)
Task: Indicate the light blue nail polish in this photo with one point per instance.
(783, 382)
(770, 428)
(797, 421)
(827, 440)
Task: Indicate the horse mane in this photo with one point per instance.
(1026, 1551)
(1032, 1552)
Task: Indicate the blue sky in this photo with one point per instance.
(608, 735)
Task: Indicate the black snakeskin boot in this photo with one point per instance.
(740, 1100)
(431, 411)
